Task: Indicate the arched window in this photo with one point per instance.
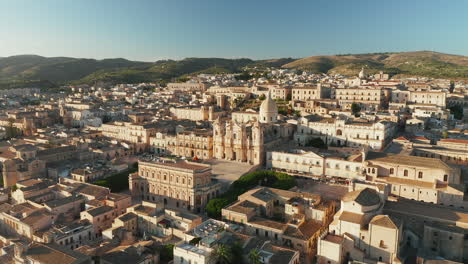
(420, 174)
(339, 132)
(405, 172)
(445, 177)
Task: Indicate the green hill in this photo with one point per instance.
(34, 69)
(37, 71)
(166, 70)
(57, 69)
(418, 63)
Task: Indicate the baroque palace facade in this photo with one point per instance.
(180, 184)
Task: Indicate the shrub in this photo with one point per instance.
(195, 240)
(167, 252)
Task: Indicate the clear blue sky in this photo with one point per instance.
(149, 30)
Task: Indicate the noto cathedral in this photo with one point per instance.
(247, 141)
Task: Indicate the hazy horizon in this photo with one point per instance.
(157, 30)
(111, 58)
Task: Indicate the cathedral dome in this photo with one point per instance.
(268, 105)
(268, 110)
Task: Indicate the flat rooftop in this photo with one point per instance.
(193, 249)
(427, 210)
(184, 165)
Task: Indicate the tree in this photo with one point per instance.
(222, 254)
(355, 109)
(262, 97)
(11, 130)
(316, 143)
(244, 76)
(182, 79)
(445, 134)
(283, 110)
(254, 257)
(457, 111)
(214, 206)
(297, 113)
(167, 252)
(237, 252)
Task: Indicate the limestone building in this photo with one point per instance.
(41, 253)
(154, 219)
(429, 180)
(307, 93)
(433, 231)
(419, 97)
(25, 161)
(450, 151)
(188, 86)
(343, 163)
(211, 238)
(361, 232)
(179, 184)
(344, 132)
(137, 134)
(193, 143)
(369, 98)
(202, 113)
(428, 97)
(23, 126)
(304, 217)
(280, 92)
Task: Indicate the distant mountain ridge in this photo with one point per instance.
(417, 63)
(57, 69)
(30, 69)
(24, 70)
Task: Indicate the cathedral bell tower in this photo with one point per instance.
(257, 143)
(218, 138)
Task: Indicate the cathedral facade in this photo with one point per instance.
(241, 142)
(246, 141)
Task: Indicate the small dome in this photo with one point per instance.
(364, 197)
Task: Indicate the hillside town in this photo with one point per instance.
(271, 166)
